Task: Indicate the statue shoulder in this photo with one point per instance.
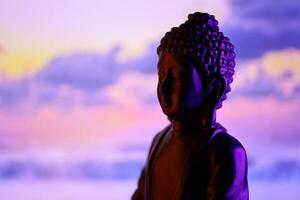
(228, 168)
(162, 132)
(159, 135)
(225, 145)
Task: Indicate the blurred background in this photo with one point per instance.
(78, 105)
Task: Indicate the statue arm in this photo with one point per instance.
(139, 193)
(228, 174)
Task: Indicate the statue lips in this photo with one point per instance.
(166, 102)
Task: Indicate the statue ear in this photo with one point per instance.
(216, 88)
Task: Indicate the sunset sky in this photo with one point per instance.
(80, 76)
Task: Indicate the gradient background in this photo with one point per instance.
(78, 107)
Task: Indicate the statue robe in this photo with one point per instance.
(205, 166)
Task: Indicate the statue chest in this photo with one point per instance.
(169, 165)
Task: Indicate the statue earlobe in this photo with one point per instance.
(217, 88)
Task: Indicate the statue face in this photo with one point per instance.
(180, 89)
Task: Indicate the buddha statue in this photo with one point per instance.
(194, 157)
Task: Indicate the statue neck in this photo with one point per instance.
(194, 124)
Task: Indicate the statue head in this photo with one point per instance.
(196, 66)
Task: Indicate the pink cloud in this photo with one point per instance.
(50, 125)
(275, 73)
(263, 121)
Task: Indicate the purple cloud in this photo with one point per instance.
(13, 92)
(278, 12)
(263, 86)
(260, 26)
(65, 76)
(279, 170)
(147, 63)
(91, 78)
(255, 42)
(88, 71)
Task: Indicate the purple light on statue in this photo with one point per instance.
(194, 157)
